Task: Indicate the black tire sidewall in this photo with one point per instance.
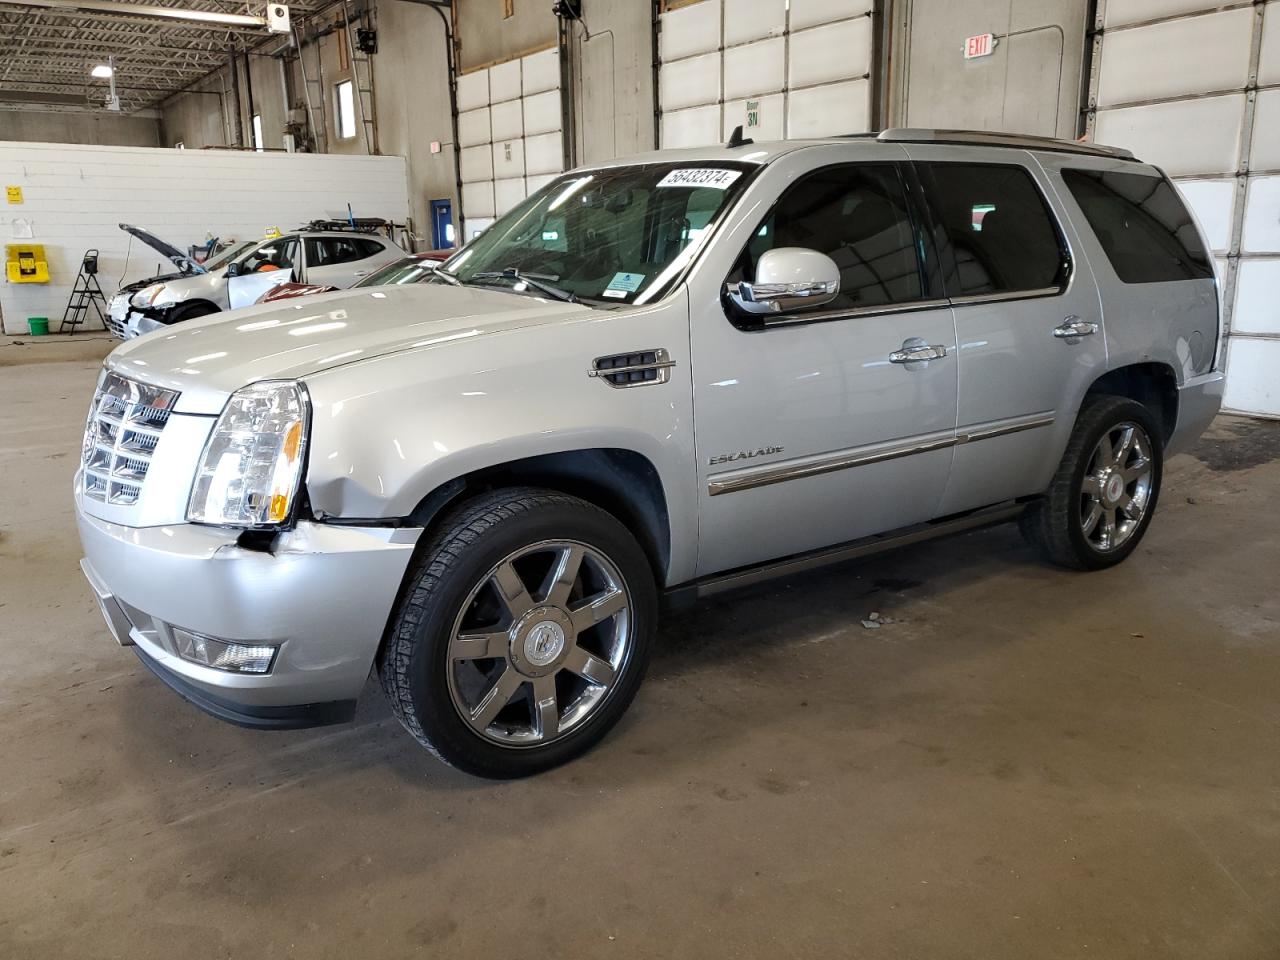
(1104, 418)
(559, 519)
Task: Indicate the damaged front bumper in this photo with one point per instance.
(322, 596)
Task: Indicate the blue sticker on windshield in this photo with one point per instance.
(624, 283)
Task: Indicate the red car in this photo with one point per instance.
(412, 269)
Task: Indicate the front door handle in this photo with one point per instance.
(916, 350)
(1073, 328)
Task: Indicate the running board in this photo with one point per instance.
(688, 593)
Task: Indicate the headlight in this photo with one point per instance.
(252, 464)
(147, 295)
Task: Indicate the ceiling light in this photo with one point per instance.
(101, 71)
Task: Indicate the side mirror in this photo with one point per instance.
(233, 269)
(787, 279)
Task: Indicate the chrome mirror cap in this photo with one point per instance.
(787, 279)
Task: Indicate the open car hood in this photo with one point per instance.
(170, 252)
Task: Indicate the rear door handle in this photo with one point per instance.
(916, 350)
(1073, 328)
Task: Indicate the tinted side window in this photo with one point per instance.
(326, 251)
(1142, 224)
(367, 247)
(856, 215)
(1001, 233)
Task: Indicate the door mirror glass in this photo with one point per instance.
(233, 269)
(787, 279)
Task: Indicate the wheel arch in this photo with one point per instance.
(1152, 384)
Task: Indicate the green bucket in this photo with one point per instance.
(38, 326)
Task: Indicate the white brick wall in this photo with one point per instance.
(75, 196)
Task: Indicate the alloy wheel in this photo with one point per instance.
(1116, 490)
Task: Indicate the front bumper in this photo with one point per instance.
(1199, 400)
(323, 596)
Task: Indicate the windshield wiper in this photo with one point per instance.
(535, 280)
(444, 275)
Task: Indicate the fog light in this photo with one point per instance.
(223, 655)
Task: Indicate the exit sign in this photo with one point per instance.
(983, 45)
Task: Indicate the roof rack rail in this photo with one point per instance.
(986, 138)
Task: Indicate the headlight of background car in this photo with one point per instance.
(252, 464)
(147, 295)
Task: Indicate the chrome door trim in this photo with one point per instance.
(969, 299)
(734, 481)
(853, 313)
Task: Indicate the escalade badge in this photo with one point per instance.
(744, 455)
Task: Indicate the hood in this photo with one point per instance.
(168, 250)
(210, 358)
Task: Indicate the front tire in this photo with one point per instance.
(1101, 500)
(522, 634)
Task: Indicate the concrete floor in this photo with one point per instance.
(1025, 763)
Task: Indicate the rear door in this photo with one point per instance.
(1027, 314)
(339, 260)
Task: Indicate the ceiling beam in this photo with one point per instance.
(111, 7)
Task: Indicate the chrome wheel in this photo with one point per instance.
(539, 643)
(1116, 489)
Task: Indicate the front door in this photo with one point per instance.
(815, 428)
(269, 265)
(1017, 291)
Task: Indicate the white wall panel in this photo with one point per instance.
(755, 68)
(476, 163)
(508, 159)
(473, 127)
(75, 197)
(542, 113)
(507, 194)
(809, 13)
(1252, 384)
(540, 72)
(771, 111)
(534, 184)
(829, 110)
(1262, 216)
(1121, 12)
(694, 127)
(1211, 200)
(1184, 136)
(477, 225)
(690, 30)
(1264, 153)
(833, 52)
(477, 199)
(473, 90)
(1180, 57)
(746, 20)
(544, 154)
(1257, 306)
(1269, 60)
(507, 119)
(504, 81)
(690, 82)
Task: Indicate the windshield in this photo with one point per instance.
(619, 235)
(226, 256)
(402, 271)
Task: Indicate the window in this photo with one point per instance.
(346, 115)
(618, 235)
(328, 251)
(279, 254)
(257, 131)
(856, 215)
(1003, 238)
(1142, 224)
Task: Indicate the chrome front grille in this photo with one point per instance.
(124, 426)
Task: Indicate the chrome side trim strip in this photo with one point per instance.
(768, 474)
(853, 313)
(975, 298)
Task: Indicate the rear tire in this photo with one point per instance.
(522, 634)
(1101, 500)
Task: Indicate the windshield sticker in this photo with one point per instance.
(700, 177)
(623, 283)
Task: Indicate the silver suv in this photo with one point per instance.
(654, 379)
(239, 275)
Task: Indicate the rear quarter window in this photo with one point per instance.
(1142, 225)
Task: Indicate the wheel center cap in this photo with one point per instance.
(543, 643)
(1114, 488)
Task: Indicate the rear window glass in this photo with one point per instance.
(998, 226)
(1142, 224)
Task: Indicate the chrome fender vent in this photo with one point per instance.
(633, 369)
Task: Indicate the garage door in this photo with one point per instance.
(1194, 86)
(510, 131)
(780, 68)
